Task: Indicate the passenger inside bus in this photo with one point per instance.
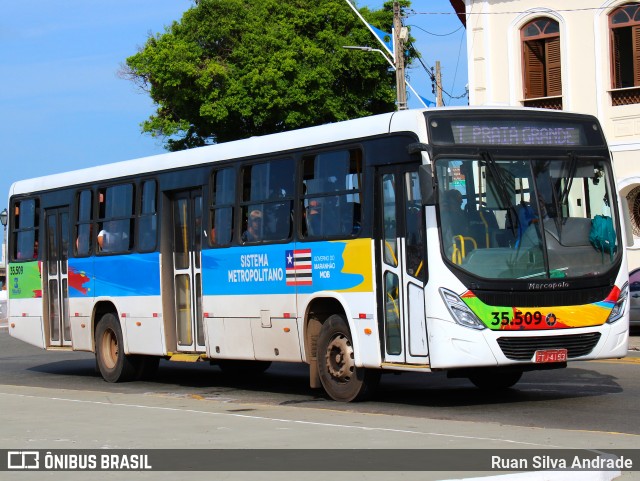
(28, 251)
(110, 239)
(254, 227)
(313, 218)
(456, 232)
(454, 221)
(104, 240)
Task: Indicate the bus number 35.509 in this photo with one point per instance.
(519, 318)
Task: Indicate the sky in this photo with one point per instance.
(63, 106)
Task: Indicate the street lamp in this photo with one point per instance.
(4, 216)
(370, 49)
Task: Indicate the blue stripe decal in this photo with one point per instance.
(126, 275)
(247, 270)
(276, 269)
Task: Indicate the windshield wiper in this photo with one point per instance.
(501, 186)
(573, 166)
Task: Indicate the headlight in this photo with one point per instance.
(618, 309)
(460, 311)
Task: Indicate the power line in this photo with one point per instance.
(432, 77)
(542, 10)
(455, 75)
(437, 34)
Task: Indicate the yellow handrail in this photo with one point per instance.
(393, 255)
(459, 253)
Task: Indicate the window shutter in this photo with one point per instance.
(617, 69)
(554, 71)
(635, 33)
(534, 81)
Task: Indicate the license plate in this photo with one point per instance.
(551, 355)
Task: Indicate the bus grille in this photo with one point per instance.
(523, 348)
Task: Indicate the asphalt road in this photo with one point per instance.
(54, 400)
(585, 396)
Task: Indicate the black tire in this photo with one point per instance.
(495, 380)
(340, 377)
(243, 369)
(114, 365)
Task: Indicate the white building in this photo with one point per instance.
(574, 55)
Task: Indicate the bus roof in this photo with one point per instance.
(402, 121)
(409, 120)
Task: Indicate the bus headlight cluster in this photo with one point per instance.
(460, 311)
(618, 309)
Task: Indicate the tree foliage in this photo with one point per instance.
(231, 69)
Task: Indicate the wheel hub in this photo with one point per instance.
(110, 349)
(339, 358)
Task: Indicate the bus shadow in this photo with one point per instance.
(201, 379)
(436, 390)
(409, 389)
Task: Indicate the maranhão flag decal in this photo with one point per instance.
(299, 267)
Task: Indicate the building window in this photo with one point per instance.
(633, 201)
(541, 60)
(624, 23)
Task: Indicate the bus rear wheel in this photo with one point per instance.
(495, 379)
(340, 377)
(113, 364)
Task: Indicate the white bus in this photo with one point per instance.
(480, 242)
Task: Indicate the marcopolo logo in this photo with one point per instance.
(548, 285)
(23, 460)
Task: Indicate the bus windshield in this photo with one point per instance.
(527, 218)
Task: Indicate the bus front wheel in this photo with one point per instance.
(113, 364)
(340, 377)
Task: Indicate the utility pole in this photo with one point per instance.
(439, 102)
(400, 35)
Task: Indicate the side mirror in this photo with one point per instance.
(427, 185)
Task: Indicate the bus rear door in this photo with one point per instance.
(401, 265)
(187, 270)
(56, 293)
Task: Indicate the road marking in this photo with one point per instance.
(626, 360)
(281, 420)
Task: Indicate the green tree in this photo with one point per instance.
(236, 68)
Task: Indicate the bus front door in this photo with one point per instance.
(56, 295)
(401, 265)
(187, 270)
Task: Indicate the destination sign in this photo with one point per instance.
(504, 132)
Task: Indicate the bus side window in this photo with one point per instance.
(414, 227)
(84, 218)
(148, 222)
(331, 194)
(221, 213)
(115, 232)
(267, 200)
(25, 230)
